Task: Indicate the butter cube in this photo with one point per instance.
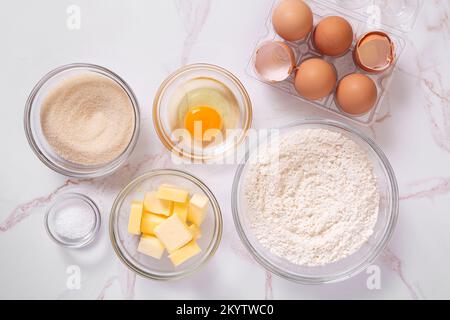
(173, 233)
(149, 222)
(195, 231)
(184, 253)
(197, 209)
(134, 222)
(181, 209)
(151, 246)
(166, 192)
(156, 205)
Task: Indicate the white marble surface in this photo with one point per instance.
(145, 40)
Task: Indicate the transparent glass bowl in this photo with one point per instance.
(125, 244)
(161, 112)
(36, 138)
(75, 200)
(351, 265)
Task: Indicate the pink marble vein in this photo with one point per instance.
(442, 23)
(382, 118)
(428, 188)
(268, 286)
(395, 264)
(438, 97)
(238, 249)
(106, 286)
(113, 182)
(430, 74)
(430, 70)
(193, 14)
(126, 280)
(23, 210)
(128, 283)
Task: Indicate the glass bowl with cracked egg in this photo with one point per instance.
(352, 264)
(202, 112)
(126, 245)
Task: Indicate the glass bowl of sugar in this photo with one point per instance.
(72, 220)
(82, 120)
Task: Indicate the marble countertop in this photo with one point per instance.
(143, 41)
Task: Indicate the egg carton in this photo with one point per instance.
(344, 65)
(398, 14)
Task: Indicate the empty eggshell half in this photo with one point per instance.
(274, 61)
(374, 52)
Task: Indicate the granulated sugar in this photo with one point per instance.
(74, 221)
(88, 119)
(318, 203)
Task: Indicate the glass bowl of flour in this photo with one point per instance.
(82, 120)
(316, 202)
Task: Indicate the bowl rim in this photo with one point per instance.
(101, 170)
(164, 137)
(206, 255)
(378, 248)
(86, 239)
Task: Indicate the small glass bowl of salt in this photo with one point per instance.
(72, 220)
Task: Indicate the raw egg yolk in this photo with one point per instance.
(200, 119)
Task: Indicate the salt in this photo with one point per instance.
(74, 221)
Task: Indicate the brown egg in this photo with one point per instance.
(356, 94)
(315, 79)
(333, 36)
(292, 20)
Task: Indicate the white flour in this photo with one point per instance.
(318, 203)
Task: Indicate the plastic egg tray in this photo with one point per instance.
(344, 65)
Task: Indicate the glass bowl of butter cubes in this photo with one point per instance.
(165, 224)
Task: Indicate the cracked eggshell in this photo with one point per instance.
(274, 61)
(374, 52)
